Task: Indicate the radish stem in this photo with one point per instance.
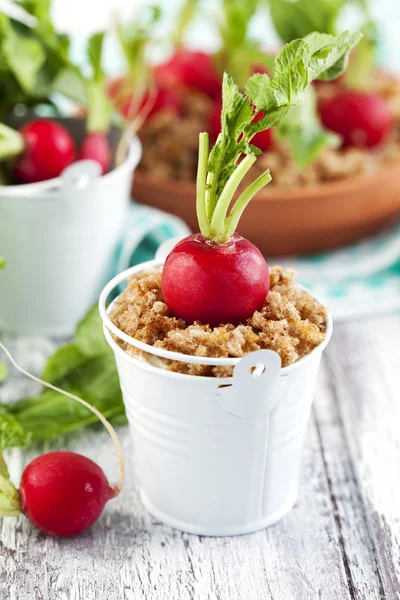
(113, 434)
(244, 199)
(218, 222)
(201, 185)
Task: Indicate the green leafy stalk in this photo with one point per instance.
(99, 111)
(239, 54)
(201, 186)
(244, 199)
(134, 40)
(30, 58)
(185, 16)
(318, 56)
(218, 221)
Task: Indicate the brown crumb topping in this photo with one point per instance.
(291, 322)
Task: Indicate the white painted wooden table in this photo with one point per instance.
(341, 540)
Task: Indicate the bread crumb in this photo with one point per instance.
(292, 323)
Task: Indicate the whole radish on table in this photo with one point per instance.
(61, 493)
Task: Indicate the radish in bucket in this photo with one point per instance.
(216, 276)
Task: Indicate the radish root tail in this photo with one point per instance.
(113, 434)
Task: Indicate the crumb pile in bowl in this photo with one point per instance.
(292, 323)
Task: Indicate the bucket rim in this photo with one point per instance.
(111, 328)
(51, 186)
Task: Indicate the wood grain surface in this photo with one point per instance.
(341, 541)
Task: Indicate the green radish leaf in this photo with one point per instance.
(330, 54)
(318, 56)
(294, 19)
(86, 368)
(65, 359)
(296, 65)
(70, 83)
(23, 54)
(303, 130)
(89, 336)
(236, 113)
(12, 435)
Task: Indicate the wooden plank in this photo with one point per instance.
(129, 555)
(364, 364)
(308, 555)
(357, 548)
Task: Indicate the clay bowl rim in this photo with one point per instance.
(283, 193)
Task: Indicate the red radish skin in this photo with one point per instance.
(64, 493)
(215, 283)
(361, 119)
(49, 149)
(96, 147)
(190, 69)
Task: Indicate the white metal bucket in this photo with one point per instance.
(215, 456)
(58, 240)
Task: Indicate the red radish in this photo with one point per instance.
(96, 147)
(215, 283)
(190, 69)
(63, 493)
(49, 149)
(361, 119)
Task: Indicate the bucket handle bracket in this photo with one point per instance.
(254, 390)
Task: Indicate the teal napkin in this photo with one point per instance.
(358, 280)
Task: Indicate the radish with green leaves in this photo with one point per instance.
(95, 145)
(61, 493)
(217, 276)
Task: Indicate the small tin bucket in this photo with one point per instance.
(58, 238)
(215, 456)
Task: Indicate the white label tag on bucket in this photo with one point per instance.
(78, 176)
(253, 392)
